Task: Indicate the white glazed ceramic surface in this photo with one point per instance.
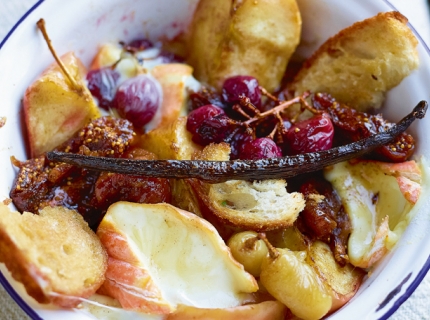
(81, 25)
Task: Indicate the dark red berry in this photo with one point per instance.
(237, 142)
(140, 44)
(214, 130)
(266, 126)
(312, 135)
(138, 99)
(197, 116)
(169, 57)
(261, 148)
(204, 97)
(237, 86)
(102, 85)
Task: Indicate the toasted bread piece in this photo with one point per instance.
(258, 205)
(57, 257)
(247, 37)
(361, 63)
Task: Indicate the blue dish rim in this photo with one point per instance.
(400, 300)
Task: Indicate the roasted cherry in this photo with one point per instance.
(312, 135)
(102, 84)
(236, 87)
(261, 148)
(138, 99)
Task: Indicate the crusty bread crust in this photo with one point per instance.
(258, 205)
(250, 205)
(362, 62)
(56, 256)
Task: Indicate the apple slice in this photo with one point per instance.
(162, 256)
(53, 110)
(378, 197)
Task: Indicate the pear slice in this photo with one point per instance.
(162, 257)
(53, 110)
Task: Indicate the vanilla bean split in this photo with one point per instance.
(220, 171)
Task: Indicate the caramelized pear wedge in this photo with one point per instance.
(220, 171)
(290, 279)
(248, 250)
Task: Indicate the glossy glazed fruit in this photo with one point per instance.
(261, 148)
(214, 130)
(236, 86)
(237, 142)
(292, 281)
(138, 99)
(197, 116)
(102, 84)
(312, 135)
(140, 44)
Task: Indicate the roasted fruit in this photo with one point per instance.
(161, 256)
(343, 282)
(53, 110)
(286, 276)
(378, 197)
(138, 99)
(248, 250)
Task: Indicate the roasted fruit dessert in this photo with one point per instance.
(219, 183)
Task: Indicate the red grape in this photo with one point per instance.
(214, 130)
(102, 84)
(237, 142)
(169, 57)
(261, 148)
(312, 135)
(197, 116)
(235, 87)
(138, 99)
(140, 44)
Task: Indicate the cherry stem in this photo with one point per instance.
(239, 109)
(42, 28)
(267, 94)
(274, 254)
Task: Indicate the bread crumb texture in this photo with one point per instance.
(361, 63)
(258, 205)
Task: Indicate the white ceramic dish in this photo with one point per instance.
(80, 25)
